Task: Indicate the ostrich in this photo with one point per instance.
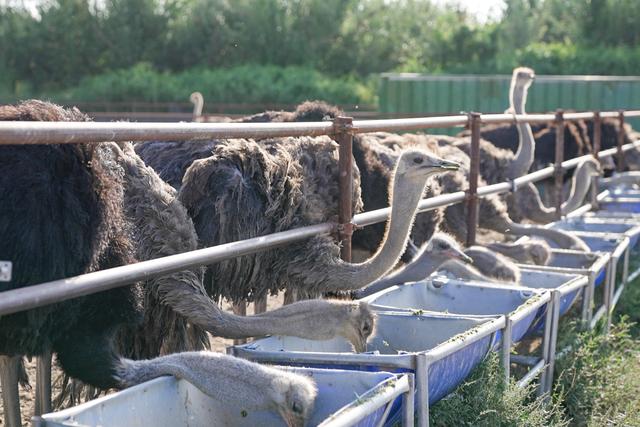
(69, 220)
(431, 255)
(233, 381)
(441, 254)
(528, 198)
(246, 189)
(375, 155)
(197, 100)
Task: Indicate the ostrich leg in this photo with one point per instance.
(43, 383)
(240, 309)
(10, 397)
(260, 305)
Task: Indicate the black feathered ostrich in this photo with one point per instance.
(66, 216)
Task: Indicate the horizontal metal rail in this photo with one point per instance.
(79, 132)
(60, 290)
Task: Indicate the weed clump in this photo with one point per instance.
(485, 400)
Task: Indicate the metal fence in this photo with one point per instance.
(424, 94)
(342, 130)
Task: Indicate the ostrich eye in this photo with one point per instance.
(297, 407)
(418, 160)
(366, 328)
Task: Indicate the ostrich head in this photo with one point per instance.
(196, 98)
(414, 166)
(445, 247)
(539, 250)
(523, 76)
(357, 324)
(294, 398)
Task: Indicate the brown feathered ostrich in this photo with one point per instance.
(375, 155)
(246, 189)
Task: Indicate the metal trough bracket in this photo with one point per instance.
(5, 271)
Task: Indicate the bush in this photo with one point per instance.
(484, 400)
(242, 84)
(597, 382)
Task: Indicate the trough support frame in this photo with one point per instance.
(559, 171)
(422, 388)
(344, 137)
(546, 382)
(597, 142)
(587, 298)
(408, 402)
(505, 353)
(474, 172)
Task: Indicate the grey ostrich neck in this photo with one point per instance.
(526, 148)
(420, 267)
(529, 196)
(224, 378)
(405, 197)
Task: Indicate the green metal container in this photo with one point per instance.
(411, 94)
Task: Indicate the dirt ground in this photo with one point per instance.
(27, 396)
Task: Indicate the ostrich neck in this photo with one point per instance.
(299, 320)
(221, 377)
(529, 196)
(419, 268)
(524, 156)
(346, 276)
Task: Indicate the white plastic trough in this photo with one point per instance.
(345, 398)
(458, 297)
(440, 350)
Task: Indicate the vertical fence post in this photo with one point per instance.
(342, 135)
(597, 143)
(472, 192)
(620, 154)
(559, 174)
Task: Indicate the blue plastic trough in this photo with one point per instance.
(345, 398)
(568, 285)
(567, 261)
(628, 228)
(441, 351)
(457, 297)
(620, 204)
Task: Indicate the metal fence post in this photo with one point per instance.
(472, 192)
(344, 137)
(559, 124)
(620, 154)
(597, 142)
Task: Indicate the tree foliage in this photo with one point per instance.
(67, 41)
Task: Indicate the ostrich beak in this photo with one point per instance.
(360, 345)
(445, 164)
(291, 420)
(457, 253)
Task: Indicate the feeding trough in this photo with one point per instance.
(440, 350)
(592, 265)
(567, 285)
(345, 398)
(458, 297)
(620, 204)
(630, 229)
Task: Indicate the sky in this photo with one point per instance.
(483, 9)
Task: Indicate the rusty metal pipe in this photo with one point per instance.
(559, 172)
(474, 172)
(620, 155)
(344, 138)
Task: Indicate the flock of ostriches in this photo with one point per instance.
(76, 208)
